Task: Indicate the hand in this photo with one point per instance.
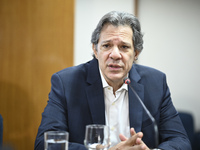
(133, 143)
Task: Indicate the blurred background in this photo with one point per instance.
(40, 37)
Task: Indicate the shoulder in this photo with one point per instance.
(147, 71)
(77, 74)
(74, 70)
(149, 75)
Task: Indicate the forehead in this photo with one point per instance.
(111, 32)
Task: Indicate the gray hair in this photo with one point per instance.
(116, 18)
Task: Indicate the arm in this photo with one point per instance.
(171, 130)
(55, 115)
(157, 99)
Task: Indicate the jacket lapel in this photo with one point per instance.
(95, 96)
(135, 108)
(94, 92)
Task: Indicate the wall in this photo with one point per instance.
(171, 34)
(36, 40)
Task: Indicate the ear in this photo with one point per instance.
(137, 53)
(94, 50)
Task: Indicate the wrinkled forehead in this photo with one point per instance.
(106, 25)
(111, 32)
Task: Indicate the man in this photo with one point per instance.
(95, 93)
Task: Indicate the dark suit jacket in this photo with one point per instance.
(76, 100)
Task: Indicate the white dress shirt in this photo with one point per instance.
(116, 111)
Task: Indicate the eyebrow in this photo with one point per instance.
(107, 41)
(128, 44)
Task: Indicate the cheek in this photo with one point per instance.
(101, 60)
(103, 56)
(129, 62)
(129, 59)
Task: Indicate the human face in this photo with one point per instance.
(115, 53)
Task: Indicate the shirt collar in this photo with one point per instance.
(105, 84)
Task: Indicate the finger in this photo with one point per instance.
(138, 141)
(140, 147)
(132, 139)
(140, 134)
(132, 130)
(141, 143)
(144, 147)
(122, 137)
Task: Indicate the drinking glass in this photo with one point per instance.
(97, 137)
(56, 140)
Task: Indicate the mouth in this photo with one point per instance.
(114, 67)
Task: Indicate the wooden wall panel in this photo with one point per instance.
(36, 40)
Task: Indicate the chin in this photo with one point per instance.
(116, 78)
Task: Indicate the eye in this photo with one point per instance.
(106, 45)
(124, 47)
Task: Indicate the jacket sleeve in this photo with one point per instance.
(55, 115)
(172, 133)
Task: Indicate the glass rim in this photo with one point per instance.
(96, 126)
(56, 133)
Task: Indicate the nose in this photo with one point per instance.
(115, 53)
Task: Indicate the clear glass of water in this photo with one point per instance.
(97, 137)
(56, 140)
